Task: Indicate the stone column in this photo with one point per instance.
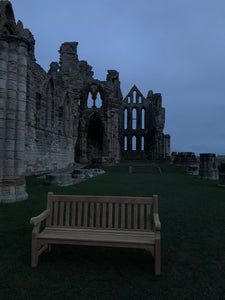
(3, 98)
(13, 100)
(208, 166)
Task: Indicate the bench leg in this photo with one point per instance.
(34, 252)
(157, 257)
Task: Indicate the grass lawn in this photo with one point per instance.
(192, 215)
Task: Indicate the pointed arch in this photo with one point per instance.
(98, 101)
(90, 101)
(125, 143)
(134, 118)
(134, 143)
(142, 118)
(142, 143)
(95, 134)
(125, 118)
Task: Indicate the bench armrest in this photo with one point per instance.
(157, 225)
(36, 220)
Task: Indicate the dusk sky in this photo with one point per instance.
(173, 47)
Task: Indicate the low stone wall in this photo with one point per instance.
(184, 159)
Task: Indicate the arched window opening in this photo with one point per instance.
(125, 143)
(98, 101)
(142, 143)
(90, 101)
(78, 102)
(134, 97)
(140, 99)
(134, 143)
(134, 118)
(125, 115)
(143, 118)
(128, 99)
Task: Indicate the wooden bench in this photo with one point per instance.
(131, 222)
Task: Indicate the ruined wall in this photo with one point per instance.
(58, 119)
(141, 126)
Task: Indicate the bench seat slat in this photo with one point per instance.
(75, 234)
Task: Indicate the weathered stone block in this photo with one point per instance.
(208, 166)
(222, 175)
(60, 179)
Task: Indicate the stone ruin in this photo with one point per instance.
(187, 160)
(208, 166)
(52, 120)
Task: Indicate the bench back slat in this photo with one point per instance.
(85, 214)
(79, 214)
(116, 223)
(104, 215)
(61, 213)
(55, 213)
(110, 216)
(67, 213)
(98, 215)
(102, 212)
(73, 214)
(148, 217)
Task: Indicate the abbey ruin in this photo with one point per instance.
(51, 120)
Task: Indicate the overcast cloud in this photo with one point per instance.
(174, 47)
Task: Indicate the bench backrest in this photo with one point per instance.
(102, 212)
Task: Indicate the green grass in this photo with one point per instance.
(193, 244)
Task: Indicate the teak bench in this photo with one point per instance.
(131, 222)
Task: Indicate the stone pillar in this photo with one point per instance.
(222, 175)
(208, 166)
(13, 70)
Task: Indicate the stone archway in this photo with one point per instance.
(95, 140)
